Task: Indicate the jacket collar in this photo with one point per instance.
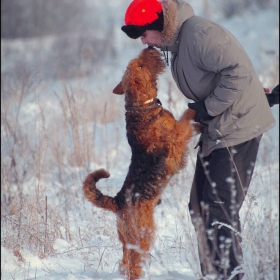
(175, 13)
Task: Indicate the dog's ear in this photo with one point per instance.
(118, 89)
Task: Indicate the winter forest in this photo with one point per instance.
(60, 60)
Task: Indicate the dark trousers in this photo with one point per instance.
(219, 188)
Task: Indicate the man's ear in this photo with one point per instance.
(118, 89)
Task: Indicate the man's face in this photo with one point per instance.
(151, 38)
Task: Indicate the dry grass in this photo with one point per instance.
(43, 152)
(46, 153)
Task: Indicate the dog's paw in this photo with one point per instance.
(123, 268)
(197, 128)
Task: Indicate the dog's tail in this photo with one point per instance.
(94, 195)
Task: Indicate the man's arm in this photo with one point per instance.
(223, 55)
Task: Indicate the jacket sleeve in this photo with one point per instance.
(219, 52)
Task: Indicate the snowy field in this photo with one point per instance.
(62, 130)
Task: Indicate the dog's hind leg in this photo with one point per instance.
(136, 260)
(131, 264)
(136, 232)
(144, 238)
(123, 267)
(138, 256)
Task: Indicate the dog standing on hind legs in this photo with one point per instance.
(159, 147)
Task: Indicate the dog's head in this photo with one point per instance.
(139, 82)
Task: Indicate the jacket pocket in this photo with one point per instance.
(224, 125)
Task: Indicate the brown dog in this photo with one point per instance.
(159, 146)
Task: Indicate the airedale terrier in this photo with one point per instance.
(159, 147)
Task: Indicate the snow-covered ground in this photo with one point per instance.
(86, 244)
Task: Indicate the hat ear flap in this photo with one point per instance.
(134, 31)
(156, 24)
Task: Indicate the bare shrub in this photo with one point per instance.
(17, 156)
(68, 56)
(76, 55)
(230, 8)
(22, 161)
(42, 143)
(265, 4)
(81, 111)
(63, 36)
(29, 18)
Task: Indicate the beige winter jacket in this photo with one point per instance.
(209, 64)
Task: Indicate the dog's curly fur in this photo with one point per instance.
(159, 147)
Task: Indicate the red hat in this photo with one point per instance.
(142, 15)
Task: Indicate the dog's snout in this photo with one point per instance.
(118, 89)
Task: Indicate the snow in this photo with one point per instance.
(88, 246)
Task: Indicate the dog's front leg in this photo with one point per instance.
(187, 124)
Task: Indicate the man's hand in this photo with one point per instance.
(273, 97)
(201, 111)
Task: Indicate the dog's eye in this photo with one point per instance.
(140, 65)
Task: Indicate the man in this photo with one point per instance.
(272, 97)
(211, 68)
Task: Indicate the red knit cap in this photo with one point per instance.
(142, 15)
(141, 12)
